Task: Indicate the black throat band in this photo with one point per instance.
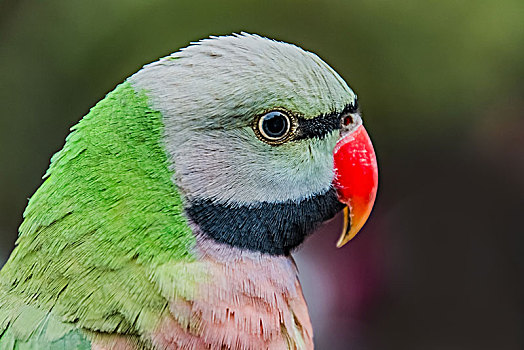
(273, 228)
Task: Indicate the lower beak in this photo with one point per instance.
(356, 180)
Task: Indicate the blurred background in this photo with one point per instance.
(440, 263)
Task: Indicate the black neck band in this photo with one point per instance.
(273, 228)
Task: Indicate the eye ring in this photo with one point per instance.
(275, 127)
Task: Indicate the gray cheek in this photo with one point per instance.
(234, 166)
(213, 159)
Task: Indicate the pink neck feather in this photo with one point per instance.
(253, 301)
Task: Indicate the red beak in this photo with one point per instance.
(356, 180)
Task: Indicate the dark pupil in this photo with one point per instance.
(274, 124)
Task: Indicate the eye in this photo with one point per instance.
(274, 127)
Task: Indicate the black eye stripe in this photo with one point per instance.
(317, 127)
(323, 125)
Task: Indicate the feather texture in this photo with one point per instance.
(106, 215)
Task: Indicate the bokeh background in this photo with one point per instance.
(440, 263)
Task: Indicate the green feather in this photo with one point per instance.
(106, 216)
(32, 328)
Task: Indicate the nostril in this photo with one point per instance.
(347, 120)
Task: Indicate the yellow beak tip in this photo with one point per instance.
(349, 231)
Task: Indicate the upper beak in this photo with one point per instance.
(356, 180)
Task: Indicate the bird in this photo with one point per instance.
(169, 217)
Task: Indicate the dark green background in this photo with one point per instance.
(440, 83)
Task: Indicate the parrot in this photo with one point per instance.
(169, 217)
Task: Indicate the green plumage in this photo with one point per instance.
(33, 329)
(106, 215)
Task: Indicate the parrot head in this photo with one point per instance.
(265, 140)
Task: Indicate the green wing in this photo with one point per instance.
(30, 328)
(41, 340)
(105, 219)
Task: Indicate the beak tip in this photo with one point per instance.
(346, 235)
